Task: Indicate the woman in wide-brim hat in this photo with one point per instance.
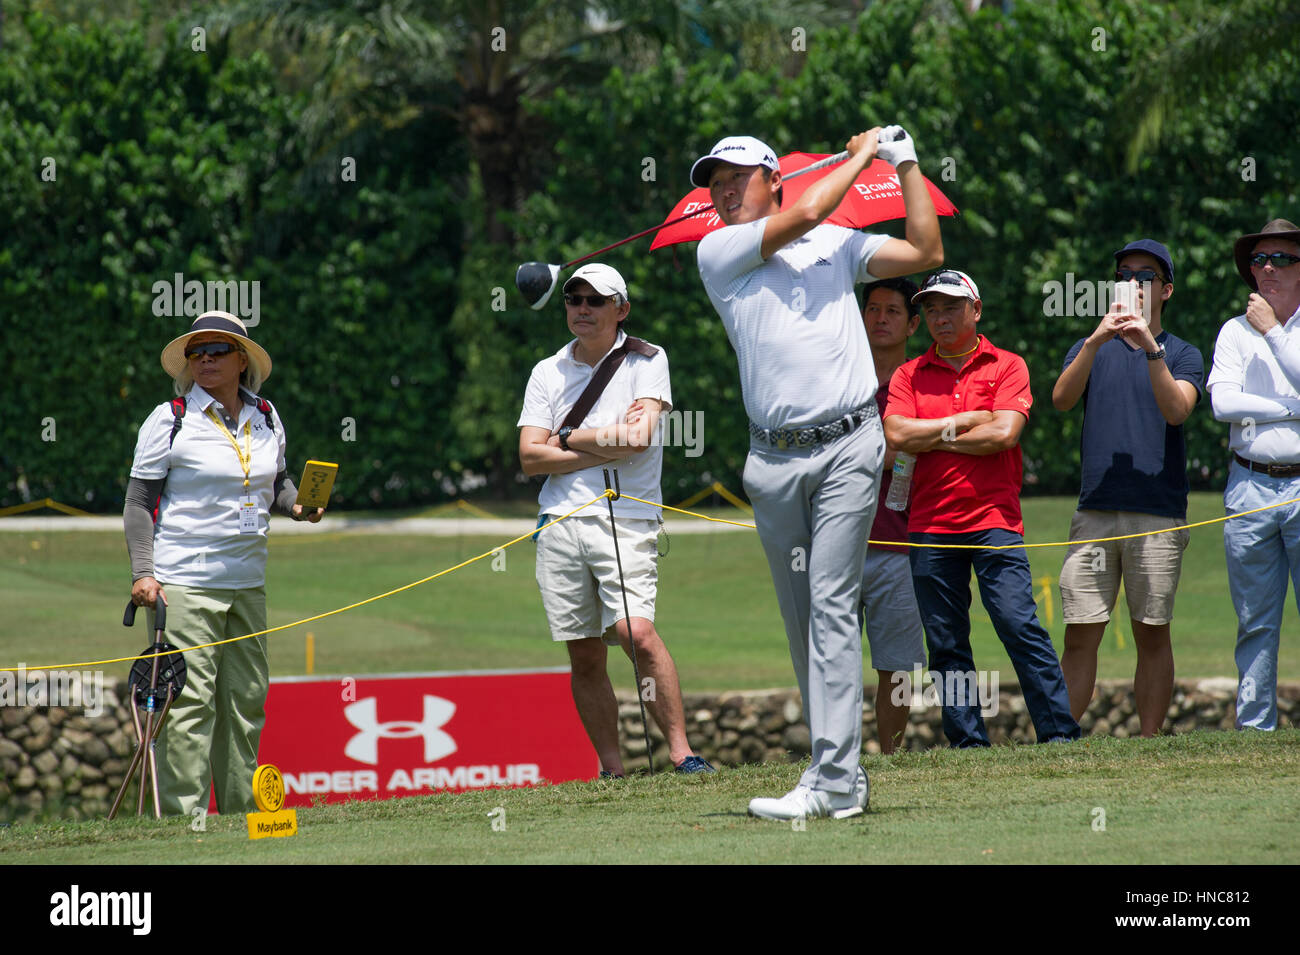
(212, 463)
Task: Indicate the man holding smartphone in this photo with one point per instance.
(1138, 384)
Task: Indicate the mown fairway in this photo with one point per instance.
(1201, 798)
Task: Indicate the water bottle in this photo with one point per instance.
(904, 463)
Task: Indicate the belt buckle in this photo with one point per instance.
(781, 442)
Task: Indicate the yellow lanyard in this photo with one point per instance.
(245, 456)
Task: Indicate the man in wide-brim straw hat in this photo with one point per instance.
(1255, 385)
(212, 461)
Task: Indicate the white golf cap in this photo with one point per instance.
(949, 282)
(602, 278)
(737, 150)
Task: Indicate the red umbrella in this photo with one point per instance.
(875, 197)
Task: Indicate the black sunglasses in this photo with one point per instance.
(1142, 275)
(215, 349)
(1280, 260)
(595, 301)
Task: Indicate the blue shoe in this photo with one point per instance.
(695, 764)
(606, 774)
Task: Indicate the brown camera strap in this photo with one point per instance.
(591, 394)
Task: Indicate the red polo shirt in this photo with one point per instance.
(960, 493)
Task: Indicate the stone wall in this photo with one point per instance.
(59, 762)
(767, 725)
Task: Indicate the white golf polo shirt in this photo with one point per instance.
(196, 540)
(1245, 357)
(794, 320)
(554, 388)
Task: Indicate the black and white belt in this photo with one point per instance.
(782, 438)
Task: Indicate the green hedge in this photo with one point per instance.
(171, 161)
(381, 303)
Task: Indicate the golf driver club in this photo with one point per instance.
(627, 615)
(536, 280)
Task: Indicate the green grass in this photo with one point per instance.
(1200, 798)
(64, 593)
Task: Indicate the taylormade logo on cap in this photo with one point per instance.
(737, 150)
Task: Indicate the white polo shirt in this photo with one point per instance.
(196, 540)
(1247, 358)
(554, 388)
(794, 320)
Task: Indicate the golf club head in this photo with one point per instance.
(536, 282)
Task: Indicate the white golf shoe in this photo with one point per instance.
(802, 802)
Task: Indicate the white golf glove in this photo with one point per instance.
(895, 146)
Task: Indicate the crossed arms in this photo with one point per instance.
(540, 451)
(967, 432)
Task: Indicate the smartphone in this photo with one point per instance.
(1126, 296)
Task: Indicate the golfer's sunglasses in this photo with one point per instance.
(595, 301)
(1280, 260)
(1142, 275)
(215, 349)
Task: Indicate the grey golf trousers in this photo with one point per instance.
(814, 508)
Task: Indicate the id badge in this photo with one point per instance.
(247, 515)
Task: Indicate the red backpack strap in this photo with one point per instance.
(264, 406)
(178, 412)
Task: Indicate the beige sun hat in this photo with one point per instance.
(173, 356)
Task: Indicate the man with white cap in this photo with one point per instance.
(960, 408)
(1255, 385)
(595, 404)
(782, 282)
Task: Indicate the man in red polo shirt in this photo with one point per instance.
(960, 408)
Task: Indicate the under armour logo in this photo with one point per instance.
(364, 747)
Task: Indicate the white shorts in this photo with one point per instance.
(578, 575)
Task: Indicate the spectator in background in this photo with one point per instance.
(960, 408)
(1138, 384)
(888, 609)
(1255, 385)
(578, 571)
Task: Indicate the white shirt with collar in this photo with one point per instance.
(793, 320)
(1265, 415)
(554, 388)
(196, 539)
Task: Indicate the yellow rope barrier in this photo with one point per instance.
(608, 493)
(328, 613)
(47, 502)
(1095, 540)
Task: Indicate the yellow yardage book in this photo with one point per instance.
(316, 484)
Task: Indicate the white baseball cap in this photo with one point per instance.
(949, 282)
(737, 150)
(602, 278)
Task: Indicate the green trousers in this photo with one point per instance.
(213, 728)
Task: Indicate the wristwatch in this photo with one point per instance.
(1151, 356)
(563, 435)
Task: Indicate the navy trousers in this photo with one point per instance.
(941, 578)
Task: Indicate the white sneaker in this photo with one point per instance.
(802, 802)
